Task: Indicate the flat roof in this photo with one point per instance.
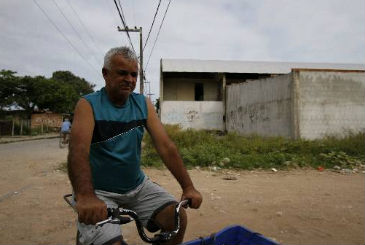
(260, 67)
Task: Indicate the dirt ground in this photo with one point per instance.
(291, 207)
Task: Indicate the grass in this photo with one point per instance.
(207, 148)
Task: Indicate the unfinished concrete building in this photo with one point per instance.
(295, 100)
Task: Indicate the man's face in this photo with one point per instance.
(121, 78)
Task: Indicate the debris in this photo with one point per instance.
(214, 168)
(274, 170)
(346, 171)
(336, 167)
(320, 168)
(214, 197)
(229, 177)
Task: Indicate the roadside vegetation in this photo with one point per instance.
(200, 148)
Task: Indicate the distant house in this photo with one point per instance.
(265, 98)
(13, 118)
(47, 119)
(12, 107)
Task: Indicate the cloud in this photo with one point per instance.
(281, 30)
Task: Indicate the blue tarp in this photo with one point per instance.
(233, 235)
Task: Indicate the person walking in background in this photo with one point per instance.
(65, 130)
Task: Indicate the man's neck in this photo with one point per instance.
(117, 101)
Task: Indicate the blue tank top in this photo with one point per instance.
(115, 149)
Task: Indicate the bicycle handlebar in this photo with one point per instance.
(115, 217)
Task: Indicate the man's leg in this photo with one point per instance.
(165, 219)
(64, 138)
(67, 137)
(108, 234)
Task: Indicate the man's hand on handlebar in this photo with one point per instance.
(123, 216)
(192, 194)
(90, 209)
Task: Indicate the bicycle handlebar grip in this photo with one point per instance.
(186, 203)
(124, 219)
(189, 202)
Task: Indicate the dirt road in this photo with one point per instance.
(295, 207)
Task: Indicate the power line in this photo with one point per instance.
(72, 26)
(124, 24)
(83, 25)
(63, 35)
(121, 10)
(154, 18)
(111, 6)
(153, 47)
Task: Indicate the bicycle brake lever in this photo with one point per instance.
(101, 223)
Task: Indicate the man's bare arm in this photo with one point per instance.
(89, 207)
(170, 156)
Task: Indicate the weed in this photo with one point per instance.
(208, 148)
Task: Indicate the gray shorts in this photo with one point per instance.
(146, 200)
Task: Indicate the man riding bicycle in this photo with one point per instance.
(65, 130)
(104, 157)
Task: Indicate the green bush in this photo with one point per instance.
(209, 148)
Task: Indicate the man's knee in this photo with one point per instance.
(165, 219)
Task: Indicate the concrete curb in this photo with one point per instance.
(9, 140)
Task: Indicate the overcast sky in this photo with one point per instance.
(76, 34)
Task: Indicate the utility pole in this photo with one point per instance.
(141, 77)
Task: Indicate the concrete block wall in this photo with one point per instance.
(261, 107)
(308, 104)
(330, 103)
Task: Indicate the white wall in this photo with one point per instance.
(260, 107)
(193, 114)
(331, 103)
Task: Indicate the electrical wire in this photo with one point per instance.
(124, 24)
(64, 36)
(154, 44)
(84, 27)
(154, 18)
(72, 26)
(121, 10)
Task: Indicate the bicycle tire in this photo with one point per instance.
(60, 143)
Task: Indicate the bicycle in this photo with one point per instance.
(123, 216)
(64, 142)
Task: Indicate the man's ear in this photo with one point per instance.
(104, 71)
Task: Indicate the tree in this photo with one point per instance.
(8, 85)
(55, 96)
(81, 86)
(58, 93)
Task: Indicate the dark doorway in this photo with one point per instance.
(199, 92)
